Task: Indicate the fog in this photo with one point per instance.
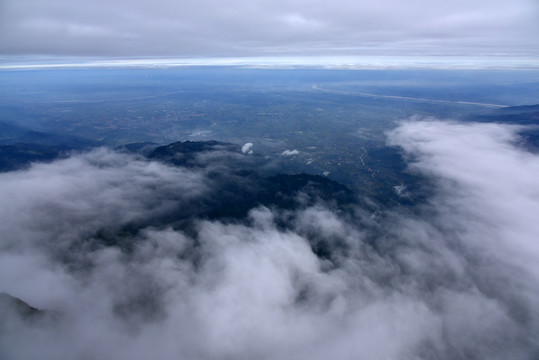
(454, 278)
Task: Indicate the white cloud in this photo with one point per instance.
(246, 148)
(488, 183)
(456, 279)
(290, 152)
(401, 190)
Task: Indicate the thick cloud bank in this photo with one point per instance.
(458, 279)
(209, 28)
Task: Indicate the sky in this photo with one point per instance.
(456, 279)
(264, 28)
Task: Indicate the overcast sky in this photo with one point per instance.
(239, 28)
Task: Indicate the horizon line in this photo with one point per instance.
(368, 62)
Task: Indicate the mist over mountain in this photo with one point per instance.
(194, 251)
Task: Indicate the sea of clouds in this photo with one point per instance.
(457, 277)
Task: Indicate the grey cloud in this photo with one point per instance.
(213, 28)
(76, 197)
(455, 280)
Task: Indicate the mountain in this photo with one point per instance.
(521, 115)
(10, 305)
(12, 134)
(527, 115)
(239, 184)
(19, 146)
(235, 183)
(186, 153)
(21, 155)
(143, 148)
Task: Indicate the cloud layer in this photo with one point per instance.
(212, 28)
(455, 279)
